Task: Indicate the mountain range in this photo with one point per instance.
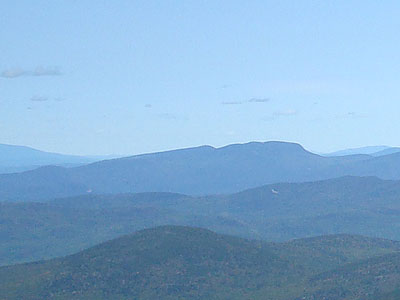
(299, 219)
(194, 171)
(278, 212)
(369, 150)
(173, 262)
(21, 158)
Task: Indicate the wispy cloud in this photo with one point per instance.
(258, 100)
(37, 72)
(148, 105)
(251, 100)
(281, 114)
(172, 117)
(46, 71)
(42, 98)
(352, 115)
(12, 73)
(39, 98)
(231, 103)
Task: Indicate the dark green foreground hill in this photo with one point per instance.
(173, 262)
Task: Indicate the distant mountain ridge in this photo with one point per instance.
(13, 155)
(195, 171)
(374, 151)
(15, 158)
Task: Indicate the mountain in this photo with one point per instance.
(358, 205)
(388, 151)
(279, 212)
(375, 278)
(41, 183)
(193, 171)
(385, 167)
(202, 170)
(173, 262)
(20, 158)
(370, 150)
(34, 231)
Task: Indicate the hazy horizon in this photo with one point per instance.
(214, 146)
(130, 77)
(178, 149)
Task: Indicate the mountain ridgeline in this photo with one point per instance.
(194, 171)
(375, 151)
(173, 262)
(77, 224)
(278, 212)
(21, 158)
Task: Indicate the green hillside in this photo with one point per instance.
(280, 212)
(173, 262)
(374, 278)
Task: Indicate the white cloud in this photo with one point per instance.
(13, 73)
(172, 117)
(39, 98)
(258, 100)
(251, 100)
(46, 71)
(352, 115)
(231, 103)
(39, 71)
(281, 114)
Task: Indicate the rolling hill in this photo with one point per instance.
(375, 278)
(279, 212)
(194, 171)
(173, 262)
(33, 231)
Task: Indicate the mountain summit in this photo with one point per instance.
(196, 171)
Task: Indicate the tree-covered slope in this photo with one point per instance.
(173, 262)
(34, 231)
(279, 212)
(161, 263)
(375, 278)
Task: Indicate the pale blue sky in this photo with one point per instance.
(127, 77)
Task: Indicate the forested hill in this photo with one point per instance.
(173, 262)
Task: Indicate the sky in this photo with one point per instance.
(130, 77)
